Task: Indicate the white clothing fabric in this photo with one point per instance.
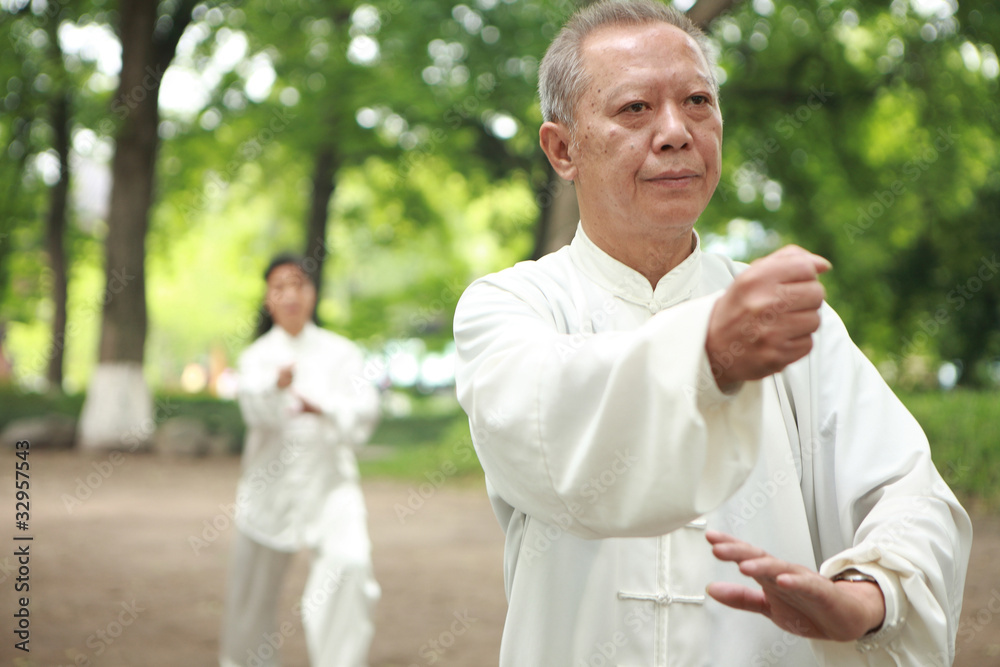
(293, 461)
(336, 606)
(250, 632)
(608, 449)
(300, 489)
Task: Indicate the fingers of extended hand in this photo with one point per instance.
(739, 597)
(767, 567)
(718, 537)
(795, 597)
(806, 584)
(728, 548)
(832, 614)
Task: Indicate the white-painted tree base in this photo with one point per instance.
(118, 410)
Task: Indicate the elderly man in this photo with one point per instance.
(657, 423)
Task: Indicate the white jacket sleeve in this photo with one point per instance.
(884, 510)
(262, 403)
(626, 430)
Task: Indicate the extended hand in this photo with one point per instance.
(765, 319)
(794, 597)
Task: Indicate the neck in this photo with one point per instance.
(654, 256)
(293, 330)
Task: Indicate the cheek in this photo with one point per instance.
(713, 139)
(710, 147)
(618, 152)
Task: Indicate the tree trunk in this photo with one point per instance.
(118, 410)
(705, 11)
(559, 209)
(323, 185)
(55, 230)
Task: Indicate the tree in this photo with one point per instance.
(55, 228)
(55, 231)
(118, 400)
(39, 129)
(873, 146)
(401, 138)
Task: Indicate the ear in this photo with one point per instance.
(555, 140)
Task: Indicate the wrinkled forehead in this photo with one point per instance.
(609, 52)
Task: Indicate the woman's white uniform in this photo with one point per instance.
(300, 489)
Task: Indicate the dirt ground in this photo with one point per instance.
(127, 569)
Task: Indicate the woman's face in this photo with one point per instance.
(291, 298)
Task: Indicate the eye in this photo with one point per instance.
(635, 107)
(700, 100)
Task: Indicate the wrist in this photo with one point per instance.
(720, 367)
(869, 595)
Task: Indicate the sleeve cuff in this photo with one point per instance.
(704, 389)
(710, 395)
(341, 417)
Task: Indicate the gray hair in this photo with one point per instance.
(562, 78)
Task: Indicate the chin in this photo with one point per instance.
(672, 223)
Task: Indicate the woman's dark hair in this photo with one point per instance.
(264, 320)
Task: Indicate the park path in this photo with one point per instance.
(129, 555)
(128, 566)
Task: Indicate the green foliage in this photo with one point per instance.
(869, 134)
(416, 430)
(420, 455)
(218, 416)
(20, 405)
(963, 428)
(865, 132)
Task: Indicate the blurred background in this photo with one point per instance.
(155, 154)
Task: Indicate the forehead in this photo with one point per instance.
(619, 53)
(285, 273)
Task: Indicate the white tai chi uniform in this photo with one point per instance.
(300, 489)
(608, 449)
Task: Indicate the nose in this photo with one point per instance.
(671, 130)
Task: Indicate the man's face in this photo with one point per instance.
(647, 144)
(290, 297)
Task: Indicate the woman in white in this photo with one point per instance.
(306, 405)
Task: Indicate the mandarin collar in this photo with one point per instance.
(625, 282)
(288, 339)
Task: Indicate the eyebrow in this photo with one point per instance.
(625, 86)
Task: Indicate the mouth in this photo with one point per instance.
(675, 175)
(675, 178)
